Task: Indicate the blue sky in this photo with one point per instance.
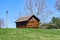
(14, 8)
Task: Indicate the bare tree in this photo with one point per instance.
(1, 23)
(39, 8)
(35, 6)
(29, 6)
(57, 4)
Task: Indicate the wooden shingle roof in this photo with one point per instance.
(26, 18)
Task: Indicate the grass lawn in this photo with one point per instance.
(29, 34)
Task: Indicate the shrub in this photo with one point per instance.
(52, 27)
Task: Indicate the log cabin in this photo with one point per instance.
(27, 22)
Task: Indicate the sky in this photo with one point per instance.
(15, 7)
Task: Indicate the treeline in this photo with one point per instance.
(54, 24)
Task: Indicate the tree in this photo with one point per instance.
(56, 20)
(39, 8)
(35, 6)
(54, 24)
(57, 4)
(1, 23)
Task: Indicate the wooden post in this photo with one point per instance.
(6, 19)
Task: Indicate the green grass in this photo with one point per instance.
(29, 34)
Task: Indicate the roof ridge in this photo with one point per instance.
(27, 16)
(24, 18)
